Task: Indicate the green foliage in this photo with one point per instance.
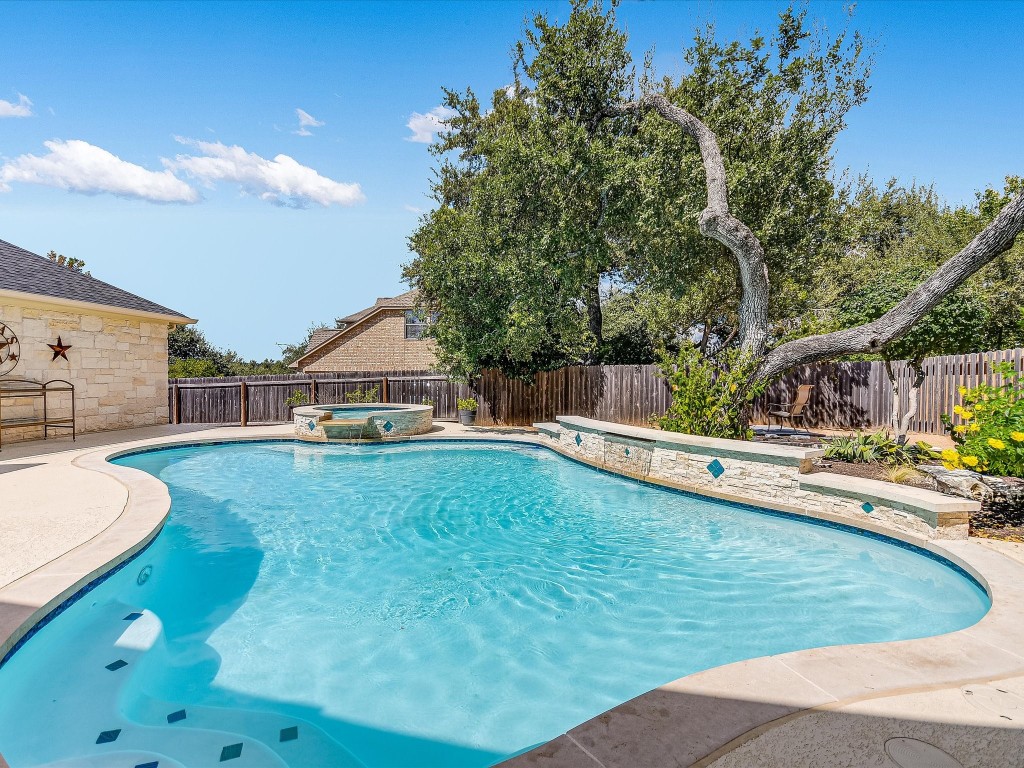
(467, 404)
(75, 265)
(710, 396)
(874, 448)
(191, 367)
(359, 395)
(191, 355)
(292, 352)
(990, 429)
(896, 237)
(540, 203)
(297, 397)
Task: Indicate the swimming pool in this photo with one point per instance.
(432, 604)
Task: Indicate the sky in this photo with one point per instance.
(260, 166)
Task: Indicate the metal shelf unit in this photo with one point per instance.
(16, 389)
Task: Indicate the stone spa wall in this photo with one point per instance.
(312, 423)
(773, 476)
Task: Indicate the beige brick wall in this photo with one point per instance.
(376, 344)
(118, 365)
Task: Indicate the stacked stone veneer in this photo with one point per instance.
(407, 420)
(771, 476)
(376, 343)
(117, 363)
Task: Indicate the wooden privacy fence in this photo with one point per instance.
(859, 395)
(846, 395)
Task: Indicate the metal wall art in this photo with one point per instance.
(10, 349)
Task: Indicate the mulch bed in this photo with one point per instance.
(874, 471)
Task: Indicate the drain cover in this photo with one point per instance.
(912, 753)
(995, 701)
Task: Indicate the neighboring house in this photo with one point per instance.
(384, 337)
(115, 344)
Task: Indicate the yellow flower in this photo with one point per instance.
(958, 409)
(970, 461)
(1017, 437)
(967, 414)
(960, 428)
(950, 454)
(974, 428)
(979, 407)
(963, 391)
(950, 465)
(996, 443)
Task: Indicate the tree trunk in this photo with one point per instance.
(595, 317)
(901, 423)
(718, 223)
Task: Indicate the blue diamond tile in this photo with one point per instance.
(290, 734)
(388, 426)
(133, 616)
(116, 665)
(175, 717)
(867, 507)
(230, 752)
(108, 736)
(153, 764)
(627, 451)
(716, 469)
(311, 425)
(578, 438)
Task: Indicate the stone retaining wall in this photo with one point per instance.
(767, 475)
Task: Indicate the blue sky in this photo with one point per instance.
(152, 138)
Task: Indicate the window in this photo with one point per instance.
(416, 323)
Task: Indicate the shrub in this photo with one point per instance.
(467, 403)
(877, 447)
(298, 397)
(902, 473)
(371, 395)
(990, 435)
(710, 396)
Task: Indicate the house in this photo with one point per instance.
(58, 323)
(387, 336)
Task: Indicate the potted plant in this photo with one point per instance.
(295, 399)
(467, 410)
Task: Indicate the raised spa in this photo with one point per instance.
(431, 604)
(373, 421)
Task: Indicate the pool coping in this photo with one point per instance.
(690, 721)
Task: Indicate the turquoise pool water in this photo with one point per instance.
(360, 411)
(431, 605)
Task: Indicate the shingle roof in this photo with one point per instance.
(320, 335)
(27, 272)
(401, 301)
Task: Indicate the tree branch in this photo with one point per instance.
(717, 222)
(994, 240)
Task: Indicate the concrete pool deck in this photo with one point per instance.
(67, 516)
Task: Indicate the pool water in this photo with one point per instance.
(359, 411)
(433, 605)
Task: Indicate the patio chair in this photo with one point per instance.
(793, 411)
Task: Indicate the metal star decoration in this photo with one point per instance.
(9, 349)
(60, 349)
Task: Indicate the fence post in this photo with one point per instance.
(312, 391)
(384, 389)
(176, 405)
(243, 391)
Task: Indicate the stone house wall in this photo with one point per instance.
(377, 343)
(118, 364)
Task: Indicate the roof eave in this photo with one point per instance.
(39, 298)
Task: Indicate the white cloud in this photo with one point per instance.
(281, 181)
(424, 127)
(22, 109)
(413, 209)
(306, 121)
(78, 166)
